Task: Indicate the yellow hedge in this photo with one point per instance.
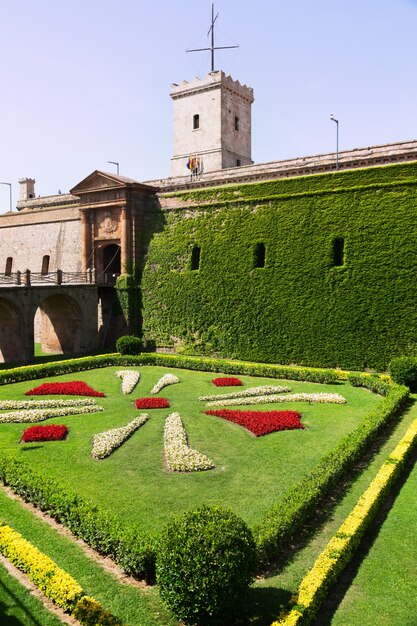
(341, 546)
(56, 584)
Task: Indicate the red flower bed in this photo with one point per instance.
(227, 382)
(261, 422)
(151, 403)
(73, 388)
(44, 433)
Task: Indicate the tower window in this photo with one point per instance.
(338, 252)
(236, 122)
(195, 258)
(238, 163)
(259, 255)
(45, 264)
(196, 121)
(9, 263)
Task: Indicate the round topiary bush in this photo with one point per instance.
(205, 562)
(403, 370)
(128, 344)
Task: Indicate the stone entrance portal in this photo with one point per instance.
(113, 210)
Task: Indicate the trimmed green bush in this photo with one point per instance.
(133, 549)
(128, 344)
(89, 612)
(403, 370)
(292, 510)
(206, 561)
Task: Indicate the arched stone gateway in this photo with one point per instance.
(58, 325)
(11, 332)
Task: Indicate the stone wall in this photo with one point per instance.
(29, 235)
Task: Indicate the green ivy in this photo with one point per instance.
(298, 308)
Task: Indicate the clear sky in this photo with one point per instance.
(84, 82)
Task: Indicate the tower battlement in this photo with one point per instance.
(212, 123)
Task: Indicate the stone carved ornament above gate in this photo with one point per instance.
(108, 226)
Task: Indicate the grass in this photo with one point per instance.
(380, 585)
(18, 607)
(250, 474)
(137, 607)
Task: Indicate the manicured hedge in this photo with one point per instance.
(299, 308)
(291, 511)
(134, 550)
(130, 547)
(341, 547)
(30, 372)
(52, 581)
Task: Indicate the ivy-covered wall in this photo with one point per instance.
(338, 285)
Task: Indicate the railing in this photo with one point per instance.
(28, 278)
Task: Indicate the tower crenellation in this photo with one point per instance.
(212, 121)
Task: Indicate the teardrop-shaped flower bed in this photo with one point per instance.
(261, 422)
(152, 403)
(227, 382)
(73, 388)
(53, 432)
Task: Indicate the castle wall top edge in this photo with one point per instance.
(211, 80)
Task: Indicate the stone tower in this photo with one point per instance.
(212, 120)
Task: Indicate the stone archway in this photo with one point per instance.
(58, 322)
(11, 333)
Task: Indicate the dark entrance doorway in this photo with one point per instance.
(111, 264)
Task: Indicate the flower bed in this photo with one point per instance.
(73, 388)
(44, 404)
(130, 379)
(227, 382)
(261, 422)
(179, 456)
(106, 442)
(168, 379)
(38, 415)
(53, 432)
(152, 403)
(332, 398)
(264, 390)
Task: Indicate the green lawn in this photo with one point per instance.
(250, 474)
(19, 608)
(382, 582)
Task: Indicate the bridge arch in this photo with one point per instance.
(11, 332)
(58, 324)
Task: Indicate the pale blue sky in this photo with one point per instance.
(84, 82)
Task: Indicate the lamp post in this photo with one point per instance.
(10, 187)
(337, 138)
(116, 164)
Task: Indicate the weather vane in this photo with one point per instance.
(212, 47)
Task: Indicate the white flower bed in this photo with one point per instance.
(129, 378)
(168, 379)
(265, 390)
(38, 415)
(44, 404)
(106, 442)
(332, 398)
(179, 456)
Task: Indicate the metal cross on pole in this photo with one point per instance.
(212, 47)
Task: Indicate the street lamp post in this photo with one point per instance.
(116, 164)
(337, 139)
(10, 188)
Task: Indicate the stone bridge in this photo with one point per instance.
(62, 317)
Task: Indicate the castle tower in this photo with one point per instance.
(212, 120)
